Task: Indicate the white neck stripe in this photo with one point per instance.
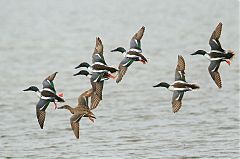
(99, 63)
(135, 50)
(49, 90)
(217, 51)
(46, 98)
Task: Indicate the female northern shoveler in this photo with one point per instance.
(216, 55)
(46, 95)
(133, 54)
(179, 86)
(81, 110)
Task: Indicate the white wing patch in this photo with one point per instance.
(126, 63)
(180, 73)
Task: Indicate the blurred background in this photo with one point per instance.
(134, 120)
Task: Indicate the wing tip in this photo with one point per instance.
(181, 63)
(176, 106)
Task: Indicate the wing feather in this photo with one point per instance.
(213, 70)
(177, 100)
(180, 69)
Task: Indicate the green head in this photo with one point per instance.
(83, 64)
(162, 84)
(32, 88)
(119, 49)
(82, 72)
(199, 52)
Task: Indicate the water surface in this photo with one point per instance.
(134, 120)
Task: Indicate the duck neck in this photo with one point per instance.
(38, 93)
(70, 109)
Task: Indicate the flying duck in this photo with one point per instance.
(216, 55)
(98, 62)
(179, 86)
(81, 110)
(98, 68)
(46, 95)
(97, 85)
(133, 54)
(98, 71)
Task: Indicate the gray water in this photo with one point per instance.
(134, 120)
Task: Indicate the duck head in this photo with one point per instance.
(162, 84)
(82, 72)
(119, 49)
(199, 52)
(32, 88)
(83, 64)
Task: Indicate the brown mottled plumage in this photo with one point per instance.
(52, 76)
(81, 110)
(99, 46)
(216, 33)
(96, 97)
(176, 105)
(40, 116)
(122, 71)
(139, 34)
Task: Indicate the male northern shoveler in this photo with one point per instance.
(81, 110)
(216, 55)
(46, 95)
(99, 72)
(179, 86)
(97, 85)
(133, 54)
(98, 68)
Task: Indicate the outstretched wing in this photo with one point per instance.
(83, 98)
(135, 42)
(122, 68)
(48, 84)
(98, 88)
(40, 111)
(213, 70)
(95, 100)
(135, 56)
(214, 39)
(74, 121)
(180, 69)
(98, 52)
(177, 100)
(97, 94)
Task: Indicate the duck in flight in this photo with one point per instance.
(216, 55)
(179, 86)
(133, 54)
(46, 95)
(81, 110)
(99, 71)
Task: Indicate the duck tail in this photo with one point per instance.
(59, 99)
(112, 69)
(194, 86)
(229, 55)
